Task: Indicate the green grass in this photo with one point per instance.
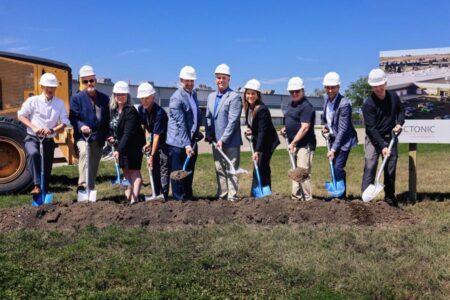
(432, 178)
(311, 262)
(234, 261)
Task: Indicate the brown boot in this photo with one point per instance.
(36, 190)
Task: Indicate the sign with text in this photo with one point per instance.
(426, 132)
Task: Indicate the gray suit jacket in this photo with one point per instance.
(225, 123)
(181, 120)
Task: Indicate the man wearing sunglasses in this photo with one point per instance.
(299, 128)
(89, 116)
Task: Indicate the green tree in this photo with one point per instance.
(357, 91)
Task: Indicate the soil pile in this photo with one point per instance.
(268, 211)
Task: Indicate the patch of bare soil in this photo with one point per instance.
(268, 211)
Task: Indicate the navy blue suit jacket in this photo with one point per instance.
(82, 113)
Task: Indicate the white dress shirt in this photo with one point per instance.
(44, 113)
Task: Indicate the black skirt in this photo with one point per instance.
(131, 161)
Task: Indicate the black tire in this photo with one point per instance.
(12, 150)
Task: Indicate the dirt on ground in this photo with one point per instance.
(268, 211)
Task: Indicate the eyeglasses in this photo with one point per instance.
(88, 81)
(295, 92)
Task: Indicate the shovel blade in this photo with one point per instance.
(180, 174)
(120, 182)
(37, 200)
(48, 198)
(259, 192)
(152, 198)
(335, 191)
(298, 174)
(85, 196)
(372, 191)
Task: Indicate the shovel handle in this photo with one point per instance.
(225, 157)
(186, 161)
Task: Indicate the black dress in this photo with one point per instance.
(126, 129)
(265, 140)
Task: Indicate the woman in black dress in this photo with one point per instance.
(128, 135)
(260, 127)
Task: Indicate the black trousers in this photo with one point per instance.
(371, 157)
(34, 159)
(264, 170)
(160, 171)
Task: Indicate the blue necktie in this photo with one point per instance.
(216, 104)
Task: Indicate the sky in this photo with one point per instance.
(267, 40)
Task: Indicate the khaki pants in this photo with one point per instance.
(303, 191)
(227, 184)
(94, 161)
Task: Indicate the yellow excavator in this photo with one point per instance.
(19, 79)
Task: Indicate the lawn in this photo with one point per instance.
(237, 261)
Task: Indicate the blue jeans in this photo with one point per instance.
(182, 189)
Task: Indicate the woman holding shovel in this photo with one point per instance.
(260, 131)
(128, 134)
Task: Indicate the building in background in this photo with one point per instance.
(272, 100)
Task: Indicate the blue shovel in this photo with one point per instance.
(42, 198)
(335, 189)
(258, 191)
(118, 181)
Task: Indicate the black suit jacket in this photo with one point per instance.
(265, 138)
(129, 131)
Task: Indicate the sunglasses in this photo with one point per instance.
(295, 92)
(88, 81)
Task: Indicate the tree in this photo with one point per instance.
(358, 91)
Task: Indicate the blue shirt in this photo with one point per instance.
(218, 99)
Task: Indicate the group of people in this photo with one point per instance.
(168, 139)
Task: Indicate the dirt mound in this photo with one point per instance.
(267, 211)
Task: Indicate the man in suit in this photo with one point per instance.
(223, 114)
(337, 120)
(183, 132)
(89, 115)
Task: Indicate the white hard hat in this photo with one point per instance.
(223, 69)
(377, 77)
(144, 90)
(86, 70)
(295, 84)
(253, 84)
(121, 87)
(332, 79)
(48, 80)
(188, 73)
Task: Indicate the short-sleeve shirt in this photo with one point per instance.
(297, 113)
(44, 113)
(154, 122)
